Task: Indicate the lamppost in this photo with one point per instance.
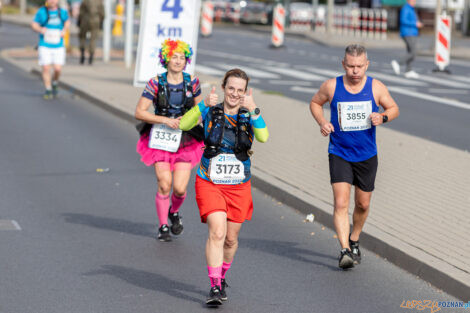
(329, 20)
(23, 7)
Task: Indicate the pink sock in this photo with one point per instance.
(176, 202)
(225, 267)
(162, 204)
(214, 275)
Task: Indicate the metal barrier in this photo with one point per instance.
(300, 21)
(357, 22)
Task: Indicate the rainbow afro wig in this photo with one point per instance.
(169, 47)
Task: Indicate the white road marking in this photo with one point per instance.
(460, 78)
(452, 61)
(249, 70)
(311, 91)
(450, 102)
(323, 72)
(397, 79)
(208, 70)
(442, 81)
(240, 57)
(1, 70)
(289, 82)
(9, 225)
(448, 91)
(391, 78)
(296, 74)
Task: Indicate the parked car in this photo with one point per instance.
(301, 11)
(253, 13)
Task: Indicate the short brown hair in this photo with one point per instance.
(236, 72)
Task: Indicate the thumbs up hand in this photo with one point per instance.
(247, 101)
(212, 99)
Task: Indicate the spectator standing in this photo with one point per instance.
(409, 25)
(90, 20)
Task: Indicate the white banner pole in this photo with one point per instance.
(128, 45)
(107, 30)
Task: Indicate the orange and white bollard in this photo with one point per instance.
(442, 53)
(207, 18)
(279, 20)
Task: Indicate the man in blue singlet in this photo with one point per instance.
(354, 100)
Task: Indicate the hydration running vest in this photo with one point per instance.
(218, 129)
(59, 13)
(162, 103)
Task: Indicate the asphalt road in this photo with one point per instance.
(87, 239)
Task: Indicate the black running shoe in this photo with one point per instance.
(356, 253)
(176, 223)
(223, 294)
(214, 298)
(164, 233)
(346, 259)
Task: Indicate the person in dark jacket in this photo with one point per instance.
(89, 21)
(409, 25)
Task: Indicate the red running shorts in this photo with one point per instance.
(235, 200)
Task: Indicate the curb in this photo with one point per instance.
(293, 197)
(407, 262)
(94, 100)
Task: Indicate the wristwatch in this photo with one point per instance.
(384, 118)
(256, 111)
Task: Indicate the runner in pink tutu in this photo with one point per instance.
(162, 144)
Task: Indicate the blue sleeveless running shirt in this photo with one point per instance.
(354, 135)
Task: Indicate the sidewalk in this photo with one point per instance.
(420, 210)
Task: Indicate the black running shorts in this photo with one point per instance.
(360, 174)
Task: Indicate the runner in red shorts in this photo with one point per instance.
(223, 186)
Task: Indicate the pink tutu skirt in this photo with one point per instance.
(190, 152)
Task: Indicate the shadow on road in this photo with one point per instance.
(114, 224)
(287, 249)
(152, 281)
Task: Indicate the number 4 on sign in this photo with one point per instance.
(176, 9)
